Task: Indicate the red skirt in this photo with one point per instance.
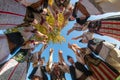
(110, 28)
(103, 72)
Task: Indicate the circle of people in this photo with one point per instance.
(107, 68)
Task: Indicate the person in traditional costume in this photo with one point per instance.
(101, 70)
(80, 13)
(108, 27)
(58, 69)
(39, 70)
(78, 71)
(77, 27)
(107, 51)
(36, 13)
(86, 36)
(19, 64)
(14, 40)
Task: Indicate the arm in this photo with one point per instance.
(79, 57)
(77, 37)
(39, 34)
(41, 50)
(62, 64)
(49, 63)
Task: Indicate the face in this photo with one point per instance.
(41, 61)
(56, 67)
(71, 60)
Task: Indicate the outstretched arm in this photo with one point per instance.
(61, 59)
(41, 50)
(49, 63)
(79, 56)
(62, 64)
(75, 38)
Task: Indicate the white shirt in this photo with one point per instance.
(38, 72)
(87, 36)
(4, 49)
(27, 34)
(104, 52)
(79, 14)
(78, 73)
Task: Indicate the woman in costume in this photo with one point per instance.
(107, 51)
(19, 64)
(101, 69)
(14, 40)
(86, 36)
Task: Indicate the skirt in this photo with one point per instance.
(103, 72)
(13, 70)
(4, 49)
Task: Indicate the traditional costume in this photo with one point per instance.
(17, 65)
(13, 41)
(108, 27)
(34, 11)
(79, 12)
(107, 51)
(78, 71)
(101, 70)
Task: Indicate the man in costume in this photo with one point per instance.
(77, 69)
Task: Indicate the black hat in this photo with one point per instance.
(68, 57)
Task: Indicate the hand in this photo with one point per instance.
(51, 50)
(60, 52)
(75, 45)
